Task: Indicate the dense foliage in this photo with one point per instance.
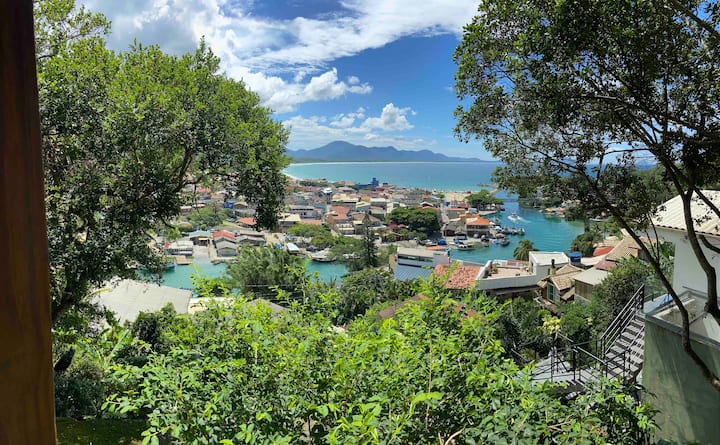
(482, 199)
(432, 374)
(571, 95)
(416, 219)
(265, 271)
(123, 134)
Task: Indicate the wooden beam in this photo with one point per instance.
(27, 414)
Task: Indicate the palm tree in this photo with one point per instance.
(523, 249)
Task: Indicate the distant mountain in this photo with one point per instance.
(341, 151)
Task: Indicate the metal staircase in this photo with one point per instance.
(617, 353)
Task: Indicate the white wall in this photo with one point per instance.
(687, 272)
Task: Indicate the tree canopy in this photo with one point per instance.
(416, 219)
(572, 94)
(482, 198)
(124, 133)
(265, 272)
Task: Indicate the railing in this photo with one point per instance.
(576, 362)
(621, 321)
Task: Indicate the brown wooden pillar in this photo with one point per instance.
(27, 414)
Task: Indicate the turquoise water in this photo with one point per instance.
(549, 234)
(180, 276)
(427, 175)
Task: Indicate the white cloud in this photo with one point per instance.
(391, 119)
(264, 51)
(311, 132)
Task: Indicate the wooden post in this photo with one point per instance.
(27, 414)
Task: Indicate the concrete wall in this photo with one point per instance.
(688, 405)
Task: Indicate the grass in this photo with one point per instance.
(99, 431)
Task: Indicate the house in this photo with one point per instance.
(586, 282)
(180, 247)
(688, 404)
(223, 235)
(559, 286)
(288, 220)
(247, 222)
(477, 227)
(542, 262)
(249, 237)
(200, 237)
(453, 226)
(226, 248)
(304, 211)
(409, 263)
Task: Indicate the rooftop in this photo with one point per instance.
(591, 276)
(671, 215)
(546, 258)
(462, 277)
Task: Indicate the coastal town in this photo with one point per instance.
(360, 223)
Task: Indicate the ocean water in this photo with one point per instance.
(454, 176)
(548, 234)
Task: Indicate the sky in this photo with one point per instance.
(370, 72)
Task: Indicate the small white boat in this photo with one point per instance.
(462, 246)
(513, 216)
(323, 256)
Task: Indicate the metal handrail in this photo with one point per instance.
(622, 319)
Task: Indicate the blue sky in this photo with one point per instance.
(371, 72)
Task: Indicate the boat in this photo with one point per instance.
(521, 231)
(514, 231)
(462, 246)
(323, 256)
(513, 216)
(504, 241)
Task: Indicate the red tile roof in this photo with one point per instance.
(247, 221)
(312, 222)
(478, 222)
(223, 233)
(602, 250)
(605, 265)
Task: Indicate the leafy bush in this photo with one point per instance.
(431, 373)
(80, 390)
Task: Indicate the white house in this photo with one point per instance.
(688, 404)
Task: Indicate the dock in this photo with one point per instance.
(182, 260)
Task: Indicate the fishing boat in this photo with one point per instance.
(521, 231)
(504, 241)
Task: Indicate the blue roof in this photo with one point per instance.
(403, 272)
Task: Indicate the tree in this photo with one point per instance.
(523, 249)
(266, 272)
(482, 199)
(361, 290)
(416, 219)
(430, 375)
(620, 285)
(575, 92)
(369, 255)
(207, 217)
(123, 134)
